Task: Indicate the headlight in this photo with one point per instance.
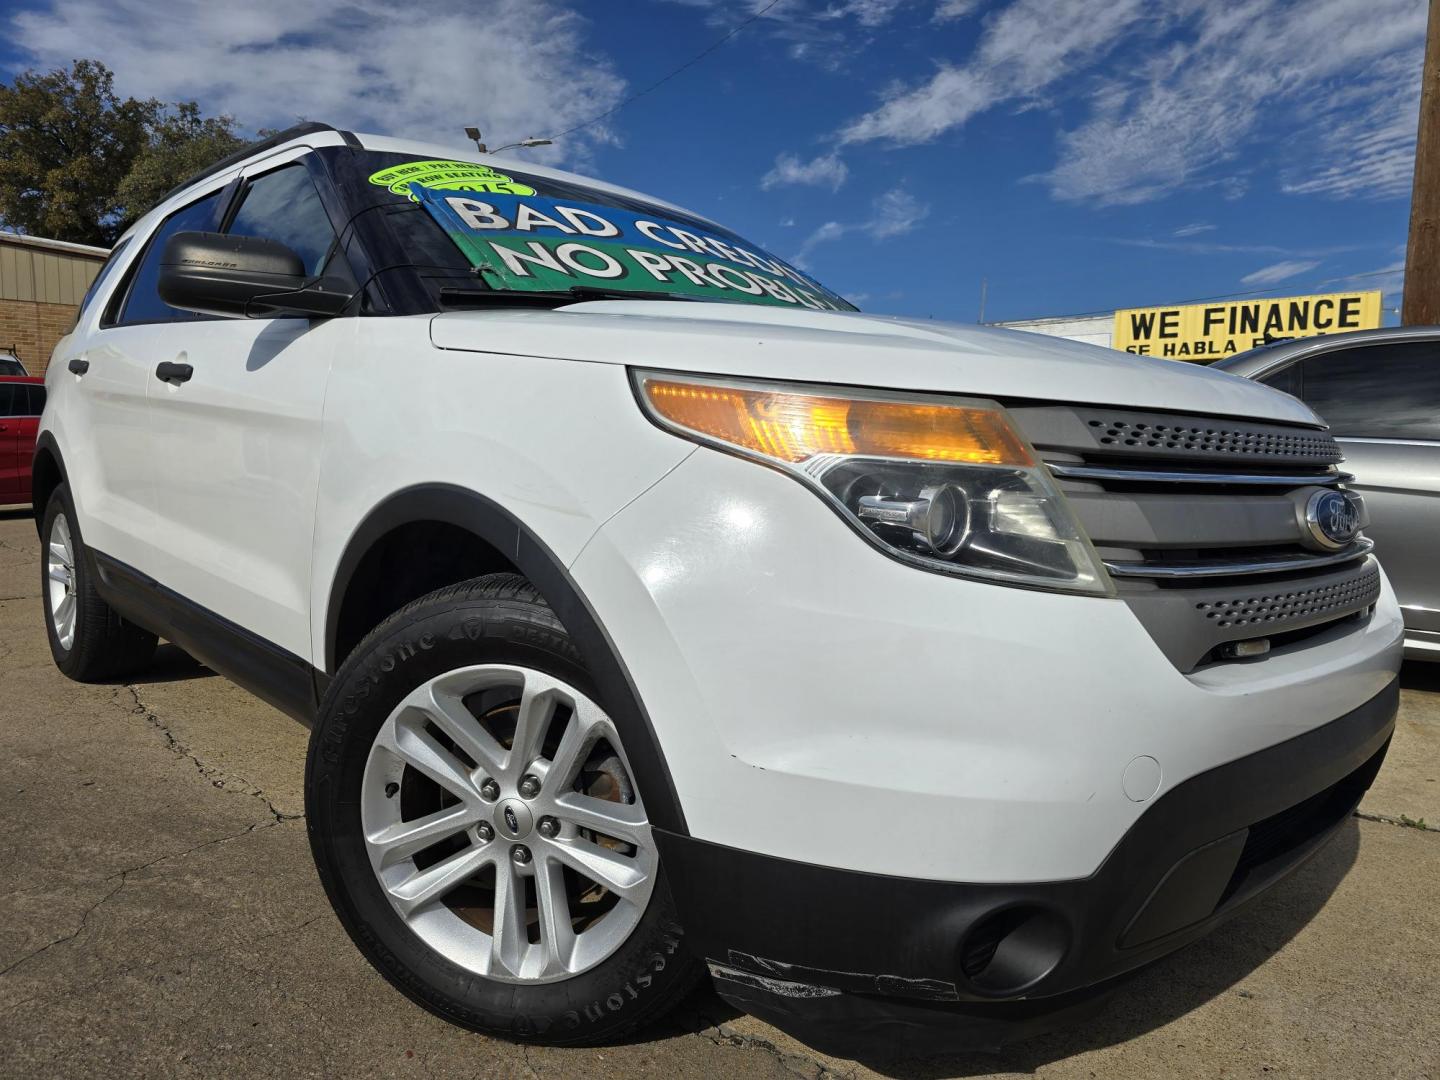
(942, 482)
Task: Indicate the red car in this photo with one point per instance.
(22, 400)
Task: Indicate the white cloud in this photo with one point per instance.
(1181, 93)
(1193, 229)
(1024, 49)
(954, 9)
(1369, 136)
(514, 67)
(827, 33)
(1209, 247)
(866, 12)
(897, 212)
(1197, 105)
(1281, 271)
(824, 171)
(1200, 247)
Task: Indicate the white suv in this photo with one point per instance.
(659, 613)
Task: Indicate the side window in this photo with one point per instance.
(1378, 391)
(37, 400)
(7, 399)
(1286, 379)
(142, 301)
(97, 287)
(283, 205)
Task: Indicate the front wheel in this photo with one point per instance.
(478, 829)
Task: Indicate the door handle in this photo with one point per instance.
(78, 366)
(169, 371)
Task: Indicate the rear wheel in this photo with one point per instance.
(478, 828)
(88, 639)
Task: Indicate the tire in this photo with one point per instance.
(479, 682)
(88, 639)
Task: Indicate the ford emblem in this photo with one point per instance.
(1333, 518)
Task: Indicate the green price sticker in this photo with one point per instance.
(449, 176)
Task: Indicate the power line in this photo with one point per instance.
(680, 70)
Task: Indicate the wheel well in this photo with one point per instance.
(432, 535)
(44, 479)
(403, 565)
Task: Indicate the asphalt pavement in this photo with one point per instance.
(159, 916)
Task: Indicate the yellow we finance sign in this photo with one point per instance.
(1205, 332)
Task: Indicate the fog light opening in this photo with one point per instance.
(1245, 650)
(1010, 950)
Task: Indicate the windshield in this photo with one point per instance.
(525, 233)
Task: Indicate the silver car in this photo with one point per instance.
(1379, 390)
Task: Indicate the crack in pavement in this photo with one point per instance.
(33, 553)
(121, 878)
(720, 1034)
(218, 778)
(1402, 822)
(186, 958)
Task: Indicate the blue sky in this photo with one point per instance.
(1079, 154)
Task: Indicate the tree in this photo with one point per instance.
(179, 144)
(66, 142)
(79, 163)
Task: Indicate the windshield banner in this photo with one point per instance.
(541, 244)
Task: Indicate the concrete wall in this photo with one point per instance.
(41, 285)
(1091, 329)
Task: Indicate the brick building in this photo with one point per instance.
(41, 285)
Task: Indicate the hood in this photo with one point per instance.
(855, 349)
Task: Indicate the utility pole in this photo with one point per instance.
(1421, 304)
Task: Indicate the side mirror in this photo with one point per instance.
(244, 275)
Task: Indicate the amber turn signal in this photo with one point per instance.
(791, 426)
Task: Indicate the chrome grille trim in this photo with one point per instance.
(1281, 564)
(1153, 476)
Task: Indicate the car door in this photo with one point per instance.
(1382, 402)
(103, 423)
(9, 445)
(29, 404)
(237, 444)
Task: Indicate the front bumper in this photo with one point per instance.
(839, 957)
(817, 702)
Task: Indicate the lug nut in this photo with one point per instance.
(520, 854)
(391, 789)
(490, 790)
(485, 831)
(529, 786)
(549, 828)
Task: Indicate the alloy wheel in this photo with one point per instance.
(502, 822)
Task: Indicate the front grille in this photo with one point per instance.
(1199, 438)
(1200, 522)
(1285, 606)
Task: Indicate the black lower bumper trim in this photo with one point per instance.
(906, 951)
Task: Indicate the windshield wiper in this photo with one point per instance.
(458, 297)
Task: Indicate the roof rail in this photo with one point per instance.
(307, 128)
